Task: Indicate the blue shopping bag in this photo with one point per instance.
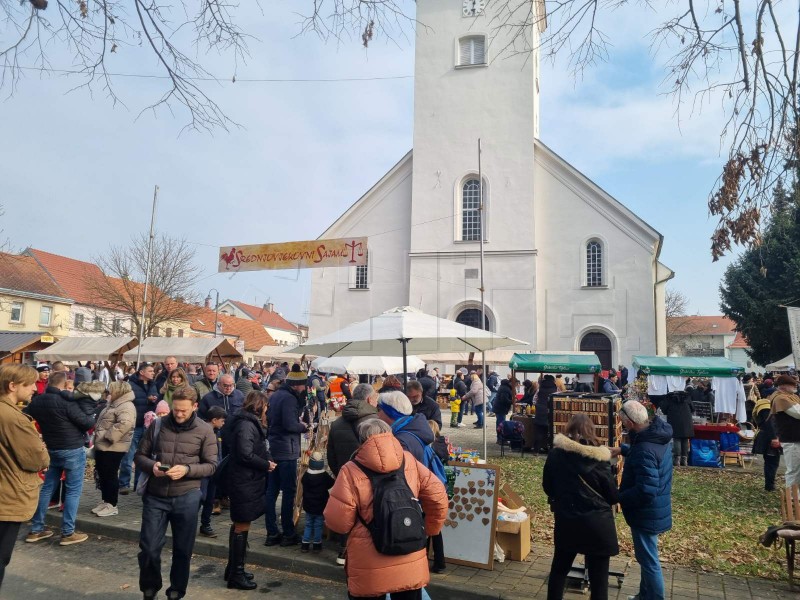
(728, 442)
(705, 453)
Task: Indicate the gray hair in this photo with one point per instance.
(397, 400)
(635, 411)
(369, 427)
(414, 385)
(227, 376)
(363, 391)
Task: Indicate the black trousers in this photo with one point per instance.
(559, 569)
(107, 466)
(438, 549)
(540, 438)
(407, 595)
(180, 513)
(770, 470)
(8, 535)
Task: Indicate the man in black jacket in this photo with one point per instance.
(63, 426)
(423, 404)
(284, 429)
(145, 399)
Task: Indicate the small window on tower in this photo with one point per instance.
(472, 50)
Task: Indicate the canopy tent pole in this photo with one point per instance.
(483, 303)
(404, 342)
(147, 274)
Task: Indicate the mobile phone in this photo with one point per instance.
(164, 468)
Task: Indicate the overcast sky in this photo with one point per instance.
(77, 173)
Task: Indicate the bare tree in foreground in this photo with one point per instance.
(170, 294)
(740, 56)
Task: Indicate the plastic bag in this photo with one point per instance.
(499, 555)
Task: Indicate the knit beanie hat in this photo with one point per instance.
(296, 376)
(317, 463)
(162, 407)
(82, 375)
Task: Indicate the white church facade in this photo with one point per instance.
(566, 266)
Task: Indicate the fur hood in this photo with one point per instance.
(597, 453)
(91, 387)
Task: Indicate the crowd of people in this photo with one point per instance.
(193, 442)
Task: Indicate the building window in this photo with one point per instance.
(16, 312)
(180, 332)
(594, 264)
(470, 211)
(169, 331)
(156, 331)
(116, 326)
(98, 323)
(360, 276)
(472, 50)
(45, 316)
(472, 318)
(79, 321)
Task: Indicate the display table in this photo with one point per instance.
(712, 431)
(527, 423)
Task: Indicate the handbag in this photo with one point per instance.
(144, 477)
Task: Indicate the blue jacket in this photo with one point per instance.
(231, 404)
(283, 424)
(609, 387)
(418, 426)
(645, 492)
(141, 391)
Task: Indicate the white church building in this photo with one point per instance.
(567, 267)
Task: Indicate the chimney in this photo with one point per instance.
(269, 307)
(207, 303)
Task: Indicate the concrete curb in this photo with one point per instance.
(280, 559)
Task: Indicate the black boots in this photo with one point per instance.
(235, 574)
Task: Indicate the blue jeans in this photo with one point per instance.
(126, 466)
(180, 513)
(479, 414)
(645, 546)
(282, 479)
(490, 403)
(313, 531)
(73, 463)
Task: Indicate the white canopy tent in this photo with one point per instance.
(784, 364)
(281, 353)
(367, 365)
(194, 349)
(497, 357)
(72, 349)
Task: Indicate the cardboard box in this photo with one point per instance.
(513, 537)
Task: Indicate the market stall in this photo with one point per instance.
(367, 365)
(192, 350)
(20, 347)
(668, 373)
(783, 365)
(75, 349)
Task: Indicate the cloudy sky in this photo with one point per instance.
(78, 172)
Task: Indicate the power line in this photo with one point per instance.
(233, 79)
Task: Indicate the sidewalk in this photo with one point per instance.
(508, 581)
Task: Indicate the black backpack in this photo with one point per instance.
(398, 526)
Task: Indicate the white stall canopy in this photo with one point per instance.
(195, 349)
(367, 365)
(73, 349)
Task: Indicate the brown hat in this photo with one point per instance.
(785, 380)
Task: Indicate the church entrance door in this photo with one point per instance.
(599, 344)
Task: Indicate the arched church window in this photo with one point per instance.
(472, 318)
(472, 50)
(470, 211)
(594, 264)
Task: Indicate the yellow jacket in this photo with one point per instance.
(22, 456)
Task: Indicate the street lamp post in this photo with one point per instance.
(216, 308)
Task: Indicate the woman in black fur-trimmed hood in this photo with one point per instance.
(581, 490)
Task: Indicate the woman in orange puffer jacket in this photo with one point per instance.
(369, 573)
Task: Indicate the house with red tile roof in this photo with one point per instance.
(236, 329)
(699, 335)
(284, 332)
(736, 351)
(32, 307)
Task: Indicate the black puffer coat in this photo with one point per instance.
(546, 388)
(504, 399)
(63, 423)
(247, 473)
(678, 408)
(581, 490)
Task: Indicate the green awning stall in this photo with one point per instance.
(555, 363)
(687, 366)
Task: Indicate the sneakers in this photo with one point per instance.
(305, 547)
(74, 538)
(438, 569)
(460, 425)
(99, 507)
(341, 559)
(53, 505)
(207, 531)
(216, 509)
(125, 491)
(38, 536)
(107, 511)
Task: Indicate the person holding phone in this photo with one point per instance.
(183, 452)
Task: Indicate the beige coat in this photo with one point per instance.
(370, 573)
(22, 456)
(114, 429)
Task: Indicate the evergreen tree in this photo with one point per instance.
(764, 278)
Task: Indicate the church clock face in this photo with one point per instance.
(473, 8)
